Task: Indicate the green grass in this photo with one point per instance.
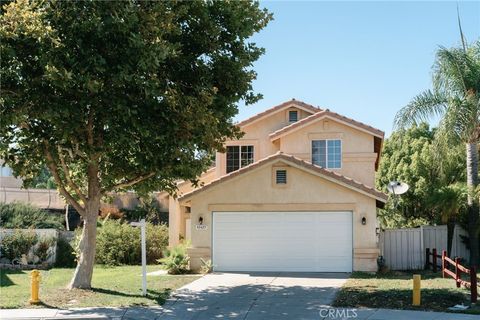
(393, 290)
(111, 286)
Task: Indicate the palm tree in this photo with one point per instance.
(455, 99)
(448, 201)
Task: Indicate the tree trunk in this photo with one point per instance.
(473, 208)
(450, 231)
(82, 278)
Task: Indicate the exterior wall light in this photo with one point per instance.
(364, 221)
(200, 220)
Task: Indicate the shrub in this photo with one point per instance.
(176, 260)
(18, 243)
(207, 266)
(44, 248)
(19, 215)
(117, 243)
(120, 243)
(157, 241)
(65, 254)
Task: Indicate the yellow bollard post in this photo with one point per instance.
(416, 289)
(35, 287)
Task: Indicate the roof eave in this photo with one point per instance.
(288, 104)
(284, 131)
(302, 165)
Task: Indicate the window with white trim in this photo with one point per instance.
(327, 153)
(292, 116)
(239, 157)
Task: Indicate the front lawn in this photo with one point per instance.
(112, 286)
(393, 290)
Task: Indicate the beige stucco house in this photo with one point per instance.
(294, 194)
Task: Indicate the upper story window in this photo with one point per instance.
(327, 153)
(238, 157)
(6, 172)
(292, 116)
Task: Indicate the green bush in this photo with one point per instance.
(44, 248)
(176, 260)
(14, 245)
(157, 241)
(119, 243)
(65, 254)
(19, 215)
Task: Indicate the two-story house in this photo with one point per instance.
(295, 193)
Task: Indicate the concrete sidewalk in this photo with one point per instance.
(159, 313)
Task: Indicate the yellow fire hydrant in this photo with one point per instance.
(35, 287)
(416, 289)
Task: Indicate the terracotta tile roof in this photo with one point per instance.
(321, 114)
(336, 177)
(299, 103)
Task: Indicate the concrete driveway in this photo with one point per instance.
(254, 296)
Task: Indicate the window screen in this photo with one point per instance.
(293, 116)
(327, 153)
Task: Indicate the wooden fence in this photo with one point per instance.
(457, 275)
(404, 249)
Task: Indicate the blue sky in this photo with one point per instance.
(364, 60)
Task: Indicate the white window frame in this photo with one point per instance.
(326, 152)
(239, 156)
(291, 121)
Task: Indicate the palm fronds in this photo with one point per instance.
(422, 107)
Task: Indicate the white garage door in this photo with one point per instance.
(282, 241)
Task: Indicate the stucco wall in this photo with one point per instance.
(10, 182)
(255, 191)
(257, 134)
(358, 157)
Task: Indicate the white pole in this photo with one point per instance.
(142, 226)
(144, 259)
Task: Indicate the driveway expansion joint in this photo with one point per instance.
(254, 302)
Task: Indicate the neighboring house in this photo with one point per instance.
(294, 194)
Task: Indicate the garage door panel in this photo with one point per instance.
(282, 241)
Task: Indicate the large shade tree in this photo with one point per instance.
(432, 171)
(455, 98)
(120, 95)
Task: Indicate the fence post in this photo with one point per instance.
(427, 258)
(444, 254)
(457, 272)
(473, 284)
(434, 260)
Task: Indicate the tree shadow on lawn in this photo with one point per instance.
(158, 296)
(5, 280)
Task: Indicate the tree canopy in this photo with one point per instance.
(117, 95)
(413, 156)
(455, 98)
